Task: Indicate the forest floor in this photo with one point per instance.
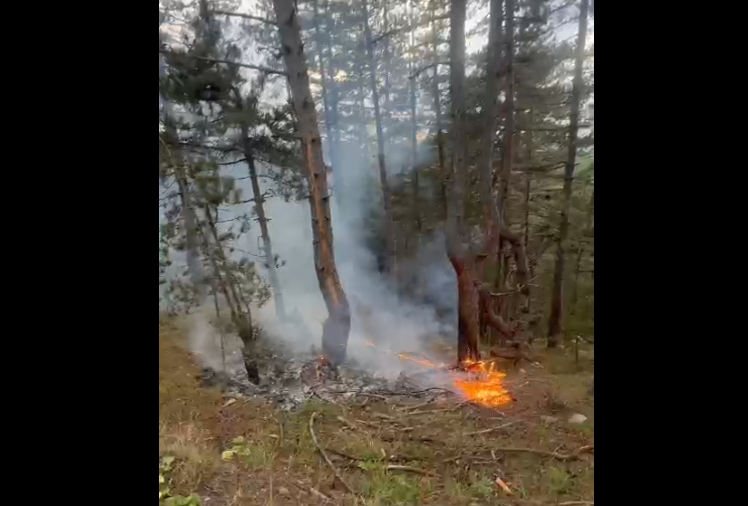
(438, 454)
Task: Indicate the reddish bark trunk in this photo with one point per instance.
(338, 324)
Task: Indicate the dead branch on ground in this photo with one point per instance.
(559, 456)
(409, 469)
(487, 431)
(327, 457)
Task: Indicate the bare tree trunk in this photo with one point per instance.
(554, 321)
(194, 263)
(468, 324)
(338, 324)
(259, 198)
(414, 127)
(507, 158)
(389, 234)
(323, 80)
(387, 63)
(363, 130)
(334, 112)
(580, 251)
(491, 97)
(444, 173)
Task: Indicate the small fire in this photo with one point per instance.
(478, 381)
(484, 384)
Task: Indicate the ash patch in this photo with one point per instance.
(288, 380)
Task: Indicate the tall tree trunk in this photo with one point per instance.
(488, 137)
(189, 220)
(323, 80)
(493, 78)
(507, 158)
(387, 64)
(459, 256)
(338, 324)
(335, 161)
(259, 200)
(363, 130)
(443, 172)
(389, 233)
(414, 126)
(554, 321)
(580, 251)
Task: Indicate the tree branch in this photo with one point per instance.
(426, 67)
(405, 28)
(245, 16)
(226, 62)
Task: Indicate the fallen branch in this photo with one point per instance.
(440, 410)
(576, 503)
(487, 431)
(325, 456)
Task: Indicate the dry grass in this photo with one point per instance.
(446, 463)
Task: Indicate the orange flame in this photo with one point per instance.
(485, 385)
(482, 383)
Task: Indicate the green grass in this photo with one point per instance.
(277, 453)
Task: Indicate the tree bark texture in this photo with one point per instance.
(336, 327)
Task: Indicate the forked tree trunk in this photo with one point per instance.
(389, 233)
(338, 324)
(459, 255)
(554, 321)
(474, 302)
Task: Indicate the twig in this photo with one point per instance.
(325, 456)
(409, 469)
(319, 494)
(225, 62)
(345, 455)
(408, 408)
(440, 410)
(559, 456)
(416, 392)
(576, 503)
(346, 422)
(486, 431)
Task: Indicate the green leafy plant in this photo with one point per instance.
(251, 454)
(165, 467)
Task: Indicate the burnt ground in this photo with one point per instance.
(425, 448)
